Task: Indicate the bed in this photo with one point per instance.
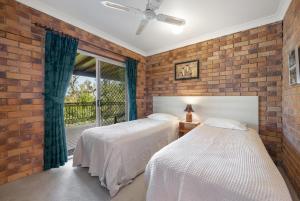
(118, 153)
(214, 163)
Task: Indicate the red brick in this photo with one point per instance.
(18, 76)
(290, 98)
(8, 42)
(244, 71)
(22, 80)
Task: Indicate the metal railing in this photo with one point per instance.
(111, 112)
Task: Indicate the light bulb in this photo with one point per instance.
(177, 29)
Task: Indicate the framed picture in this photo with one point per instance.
(187, 70)
(293, 64)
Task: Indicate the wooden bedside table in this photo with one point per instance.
(185, 127)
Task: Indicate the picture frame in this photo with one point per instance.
(293, 66)
(187, 70)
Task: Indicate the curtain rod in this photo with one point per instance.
(54, 30)
(51, 28)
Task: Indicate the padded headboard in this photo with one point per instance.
(241, 108)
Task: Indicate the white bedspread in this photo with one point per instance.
(215, 164)
(119, 152)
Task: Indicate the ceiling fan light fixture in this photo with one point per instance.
(177, 29)
(114, 6)
(148, 14)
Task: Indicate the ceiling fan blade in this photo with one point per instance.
(121, 7)
(154, 4)
(142, 26)
(170, 19)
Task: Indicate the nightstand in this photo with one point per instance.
(185, 127)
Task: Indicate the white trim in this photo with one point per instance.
(98, 95)
(219, 33)
(282, 8)
(277, 16)
(45, 8)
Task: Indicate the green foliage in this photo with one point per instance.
(80, 101)
(80, 93)
(112, 91)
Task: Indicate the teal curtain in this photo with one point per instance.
(60, 53)
(131, 73)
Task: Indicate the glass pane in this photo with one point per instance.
(80, 100)
(112, 94)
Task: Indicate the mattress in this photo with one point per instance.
(210, 164)
(119, 152)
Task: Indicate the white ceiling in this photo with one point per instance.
(205, 19)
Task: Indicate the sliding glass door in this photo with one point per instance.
(96, 95)
(112, 93)
(80, 100)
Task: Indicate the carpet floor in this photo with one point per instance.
(75, 184)
(68, 184)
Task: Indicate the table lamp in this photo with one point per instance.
(189, 111)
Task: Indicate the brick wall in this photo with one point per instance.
(247, 63)
(21, 84)
(291, 98)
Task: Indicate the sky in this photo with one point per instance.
(81, 79)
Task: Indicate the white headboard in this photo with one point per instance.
(241, 108)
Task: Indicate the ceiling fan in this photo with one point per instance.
(148, 14)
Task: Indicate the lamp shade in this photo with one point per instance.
(189, 108)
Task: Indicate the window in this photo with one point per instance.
(96, 95)
(112, 93)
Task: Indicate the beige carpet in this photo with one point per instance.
(68, 184)
(74, 184)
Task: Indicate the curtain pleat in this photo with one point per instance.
(131, 73)
(60, 53)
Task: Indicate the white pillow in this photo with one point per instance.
(162, 116)
(225, 123)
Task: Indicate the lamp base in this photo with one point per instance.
(189, 117)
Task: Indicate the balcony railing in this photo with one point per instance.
(78, 113)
